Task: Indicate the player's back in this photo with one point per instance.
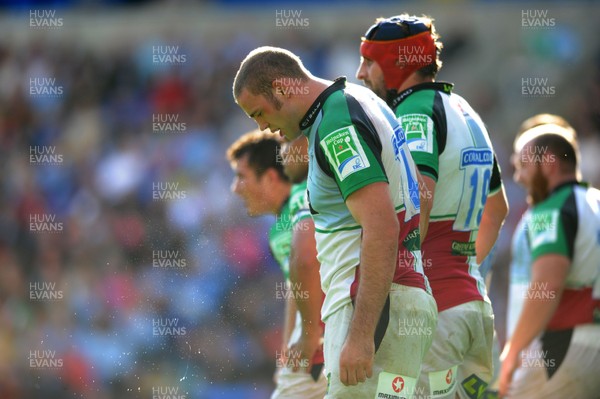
(568, 223)
(448, 139)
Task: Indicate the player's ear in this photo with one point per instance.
(279, 87)
(270, 175)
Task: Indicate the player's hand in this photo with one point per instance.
(304, 349)
(356, 360)
(509, 361)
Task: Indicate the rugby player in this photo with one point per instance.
(463, 198)
(365, 206)
(554, 351)
(265, 189)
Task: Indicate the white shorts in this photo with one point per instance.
(411, 320)
(575, 377)
(460, 361)
(299, 384)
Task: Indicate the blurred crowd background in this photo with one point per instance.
(116, 225)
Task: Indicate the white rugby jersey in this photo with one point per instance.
(450, 144)
(355, 140)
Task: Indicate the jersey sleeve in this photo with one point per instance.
(299, 208)
(354, 157)
(551, 231)
(496, 179)
(419, 117)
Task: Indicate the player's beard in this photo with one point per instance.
(538, 191)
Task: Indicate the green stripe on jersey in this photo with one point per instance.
(280, 234)
(348, 153)
(415, 116)
(550, 224)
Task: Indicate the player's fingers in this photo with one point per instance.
(343, 375)
(369, 371)
(361, 375)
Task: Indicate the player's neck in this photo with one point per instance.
(280, 194)
(559, 179)
(413, 80)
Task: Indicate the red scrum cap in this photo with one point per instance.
(401, 46)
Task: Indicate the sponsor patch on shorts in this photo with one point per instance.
(474, 386)
(395, 386)
(443, 382)
(463, 248)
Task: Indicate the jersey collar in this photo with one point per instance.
(439, 86)
(311, 115)
(568, 183)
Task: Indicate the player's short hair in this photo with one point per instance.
(565, 151)
(554, 133)
(544, 119)
(264, 65)
(262, 150)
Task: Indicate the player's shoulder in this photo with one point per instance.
(298, 198)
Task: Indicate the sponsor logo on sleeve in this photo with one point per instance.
(419, 132)
(543, 227)
(345, 152)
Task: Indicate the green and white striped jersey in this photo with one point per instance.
(355, 140)
(568, 223)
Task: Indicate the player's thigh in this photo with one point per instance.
(476, 371)
(293, 385)
(399, 354)
(576, 375)
(459, 330)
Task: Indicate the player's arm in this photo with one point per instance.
(492, 219)
(548, 278)
(426, 190)
(494, 213)
(306, 283)
(289, 321)
(372, 207)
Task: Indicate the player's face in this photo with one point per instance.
(371, 74)
(529, 174)
(294, 156)
(277, 116)
(250, 187)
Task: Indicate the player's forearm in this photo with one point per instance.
(426, 205)
(535, 316)
(304, 274)
(426, 190)
(489, 230)
(494, 213)
(289, 320)
(379, 251)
